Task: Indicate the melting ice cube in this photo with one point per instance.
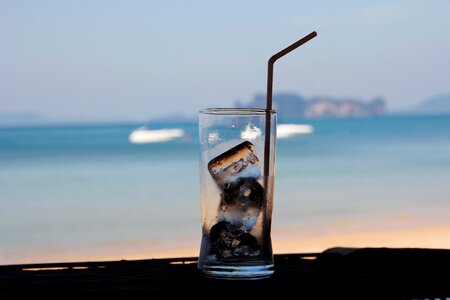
(239, 161)
(229, 240)
(241, 202)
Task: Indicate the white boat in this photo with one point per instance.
(144, 135)
(289, 130)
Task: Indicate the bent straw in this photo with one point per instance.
(271, 62)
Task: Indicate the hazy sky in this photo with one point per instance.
(141, 59)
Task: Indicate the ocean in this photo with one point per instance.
(84, 192)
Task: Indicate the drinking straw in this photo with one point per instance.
(271, 62)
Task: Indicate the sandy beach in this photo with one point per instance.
(402, 232)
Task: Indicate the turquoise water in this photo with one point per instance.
(85, 190)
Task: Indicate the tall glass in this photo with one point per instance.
(236, 191)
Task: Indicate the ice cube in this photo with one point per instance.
(229, 240)
(248, 246)
(241, 202)
(239, 161)
(225, 235)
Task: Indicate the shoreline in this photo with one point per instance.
(287, 240)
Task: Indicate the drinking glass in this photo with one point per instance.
(237, 167)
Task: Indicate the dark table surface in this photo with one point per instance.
(364, 273)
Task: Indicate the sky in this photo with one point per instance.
(137, 60)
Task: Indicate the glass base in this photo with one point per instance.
(238, 272)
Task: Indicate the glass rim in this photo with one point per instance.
(236, 111)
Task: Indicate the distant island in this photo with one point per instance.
(434, 106)
(292, 106)
(288, 106)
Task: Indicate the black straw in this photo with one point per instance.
(271, 62)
